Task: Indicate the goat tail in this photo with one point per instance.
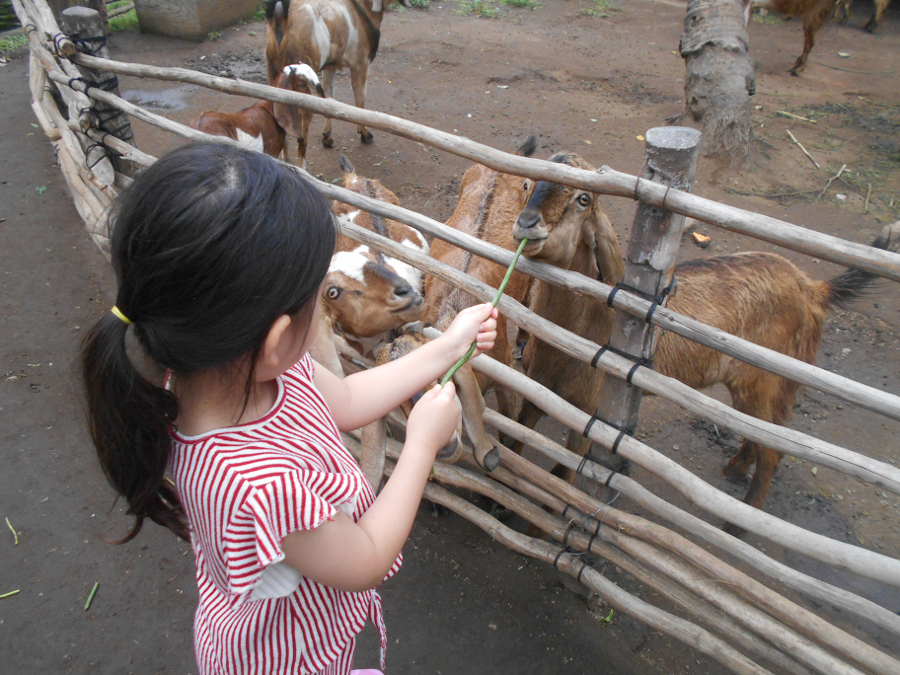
(855, 284)
(276, 13)
(277, 9)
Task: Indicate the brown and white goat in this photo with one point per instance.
(815, 13)
(366, 294)
(365, 298)
(261, 126)
(326, 35)
(761, 297)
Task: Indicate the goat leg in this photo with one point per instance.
(472, 401)
(323, 349)
(767, 461)
(529, 416)
(328, 88)
(358, 83)
(373, 439)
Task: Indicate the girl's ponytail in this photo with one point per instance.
(210, 245)
(129, 420)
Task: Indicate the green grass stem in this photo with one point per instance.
(87, 605)
(459, 364)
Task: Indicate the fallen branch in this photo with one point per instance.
(805, 151)
(784, 113)
(830, 181)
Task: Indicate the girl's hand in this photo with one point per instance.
(475, 324)
(433, 419)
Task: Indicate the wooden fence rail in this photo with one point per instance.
(844, 388)
(604, 181)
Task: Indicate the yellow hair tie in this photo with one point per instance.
(118, 312)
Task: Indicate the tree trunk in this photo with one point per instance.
(720, 78)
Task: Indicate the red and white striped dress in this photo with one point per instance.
(244, 489)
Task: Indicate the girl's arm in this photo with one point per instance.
(355, 557)
(370, 394)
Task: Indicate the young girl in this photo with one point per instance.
(219, 254)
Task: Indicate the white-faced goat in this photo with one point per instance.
(261, 126)
(761, 297)
(327, 35)
(364, 298)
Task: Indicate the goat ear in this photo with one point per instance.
(289, 118)
(607, 253)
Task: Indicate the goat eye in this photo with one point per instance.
(584, 199)
(333, 292)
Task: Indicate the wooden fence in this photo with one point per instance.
(745, 622)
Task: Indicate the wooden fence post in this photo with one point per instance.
(85, 27)
(59, 6)
(672, 154)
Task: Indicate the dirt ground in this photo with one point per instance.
(583, 83)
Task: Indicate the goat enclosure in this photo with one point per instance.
(745, 620)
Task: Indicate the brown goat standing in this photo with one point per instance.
(326, 35)
(487, 206)
(760, 297)
(842, 11)
(816, 13)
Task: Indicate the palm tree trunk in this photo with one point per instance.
(720, 78)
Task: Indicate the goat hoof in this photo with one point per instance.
(734, 530)
(736, 477)
(366, 137)
(328, 140)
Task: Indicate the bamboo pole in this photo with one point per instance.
(605, 180)
(780, 438)
(803, 373)
(675, 543)
(690, 634)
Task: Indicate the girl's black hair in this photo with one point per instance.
(210, 245)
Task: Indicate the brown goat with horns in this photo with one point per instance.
(760, 297)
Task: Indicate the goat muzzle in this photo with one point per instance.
(529, 225)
